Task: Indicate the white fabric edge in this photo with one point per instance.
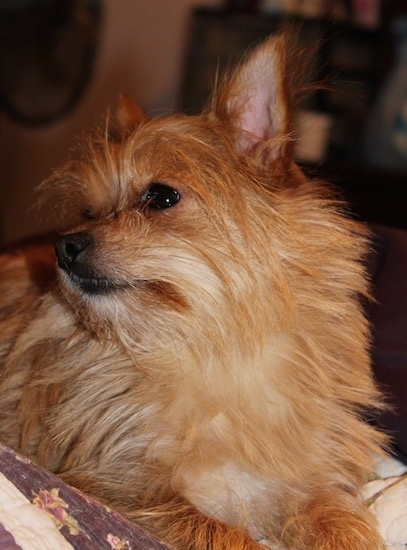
(31, 528)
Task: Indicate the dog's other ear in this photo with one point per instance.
(256, 100)
(127, 118)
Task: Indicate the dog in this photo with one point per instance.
(197, 355)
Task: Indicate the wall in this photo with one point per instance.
(142, 49)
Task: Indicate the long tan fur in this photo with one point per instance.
(205, 369)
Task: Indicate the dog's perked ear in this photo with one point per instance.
(127, 118)
(256, 100)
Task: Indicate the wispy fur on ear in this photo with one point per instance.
(256, 101)
(128, 117)
(259, 98)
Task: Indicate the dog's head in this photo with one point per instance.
(188, 228)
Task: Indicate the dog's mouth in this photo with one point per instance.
(94, 286)
(77, 264)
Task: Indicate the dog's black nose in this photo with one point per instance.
(71, 249)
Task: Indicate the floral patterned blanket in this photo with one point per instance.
(39, 512)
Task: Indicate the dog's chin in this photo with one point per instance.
(91, 286)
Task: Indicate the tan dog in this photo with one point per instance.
(201, 364)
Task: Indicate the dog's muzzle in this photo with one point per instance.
(74, 252)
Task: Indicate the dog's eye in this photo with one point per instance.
(159, 196)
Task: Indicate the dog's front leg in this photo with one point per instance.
(183, 527)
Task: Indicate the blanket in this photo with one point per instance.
(39, 512)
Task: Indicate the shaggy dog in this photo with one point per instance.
(200, 360)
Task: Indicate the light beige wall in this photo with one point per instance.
(141, 53)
